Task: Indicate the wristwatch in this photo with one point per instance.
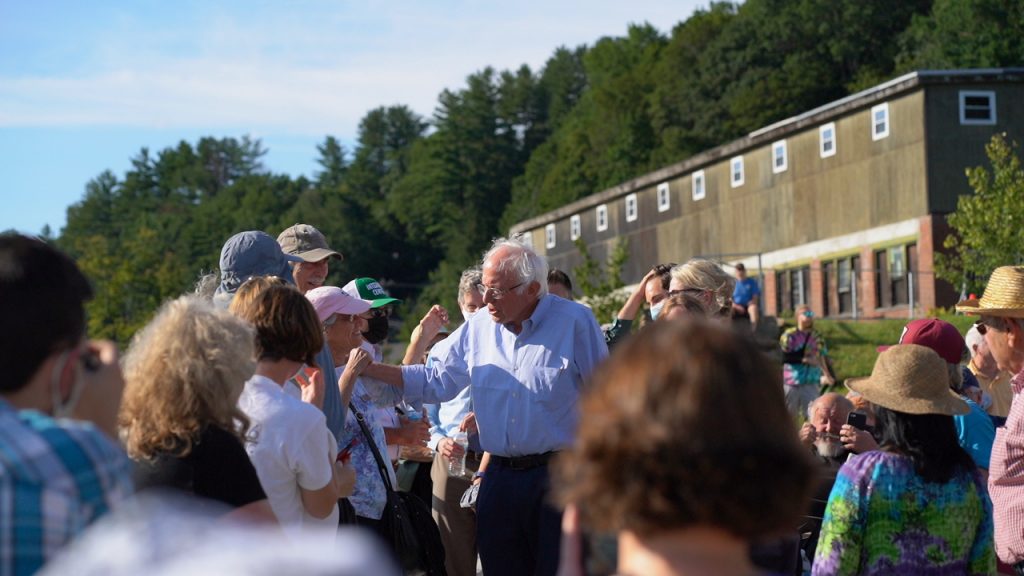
(479, 474)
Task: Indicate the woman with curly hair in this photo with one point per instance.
(686, 452)
(180, 419)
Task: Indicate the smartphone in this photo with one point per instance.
(345, 453)
(857, 420)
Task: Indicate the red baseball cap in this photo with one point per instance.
(939, 335)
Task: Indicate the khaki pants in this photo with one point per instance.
(457, 524)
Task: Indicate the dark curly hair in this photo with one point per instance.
(686, 426)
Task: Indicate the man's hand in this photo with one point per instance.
(468, 423)
(431, 324)
(344, 479)
(311, 381)
(808, 434)
(449, 449)
(856, 440)
(410, 432)
(102, 386)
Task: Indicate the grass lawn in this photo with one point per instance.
(852, 344)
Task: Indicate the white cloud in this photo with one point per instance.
(311, 72)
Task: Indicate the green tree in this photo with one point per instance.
(988, 226)
(601, 283)
(964, 34)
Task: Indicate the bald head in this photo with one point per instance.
(829, 412)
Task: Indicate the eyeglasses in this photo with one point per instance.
(496, 293)
(382, 312)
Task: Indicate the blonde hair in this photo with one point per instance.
(248, 291)
(705, 275)
(184, 371)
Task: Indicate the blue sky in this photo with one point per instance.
(85, 85)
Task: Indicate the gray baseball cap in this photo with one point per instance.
(252, 253)
(307, 243)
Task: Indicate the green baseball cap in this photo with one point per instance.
(369, 289)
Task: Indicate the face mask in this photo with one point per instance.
(63, 408)
(467, 315)
(377, 330)
(656, 309)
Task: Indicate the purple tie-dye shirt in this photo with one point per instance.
(882, 518)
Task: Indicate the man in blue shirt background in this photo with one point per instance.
(745, 297)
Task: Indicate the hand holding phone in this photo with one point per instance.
(857, 420)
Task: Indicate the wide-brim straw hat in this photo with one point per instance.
(911, 379)
(1004, 295)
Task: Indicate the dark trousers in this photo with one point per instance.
(518, 531)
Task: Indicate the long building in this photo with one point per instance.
(841, 207)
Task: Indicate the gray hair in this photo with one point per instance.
(841, 402)
(471, 279)
(527, 265)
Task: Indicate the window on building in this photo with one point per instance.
(602, 217)
(791, 288)
(736, 171)
(549, 235)
(838, 285)
(779, 160)
(631, 211)
(880, 121)
(977, 107)
(827, 140)
(664, 200)
(896, 276)
(698, 186)
(574, 227)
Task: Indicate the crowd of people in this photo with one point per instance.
(257, 417)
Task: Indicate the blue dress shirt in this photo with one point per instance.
(525, 386)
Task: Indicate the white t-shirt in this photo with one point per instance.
(290, 447)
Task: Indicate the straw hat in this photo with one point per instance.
(912, 379)
(1004, 295)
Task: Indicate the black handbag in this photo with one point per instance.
(407, 520)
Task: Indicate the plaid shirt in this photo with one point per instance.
(56, 477)
(1006, 480)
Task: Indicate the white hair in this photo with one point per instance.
(973, 339)
(841, 402)
(527, 265)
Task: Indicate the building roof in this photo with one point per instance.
(779, 130)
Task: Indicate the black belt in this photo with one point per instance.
(524, 462)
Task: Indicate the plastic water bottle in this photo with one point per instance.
(457, 466)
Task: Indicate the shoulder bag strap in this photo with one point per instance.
(373, 448)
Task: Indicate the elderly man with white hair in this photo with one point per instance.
(993, 381)
(527, 359)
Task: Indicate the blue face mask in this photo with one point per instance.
(656, 309)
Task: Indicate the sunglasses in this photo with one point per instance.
(382, 312)
(984, 326)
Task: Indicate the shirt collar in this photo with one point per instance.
(1017, 382)
(264, 383)
(538, 313)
